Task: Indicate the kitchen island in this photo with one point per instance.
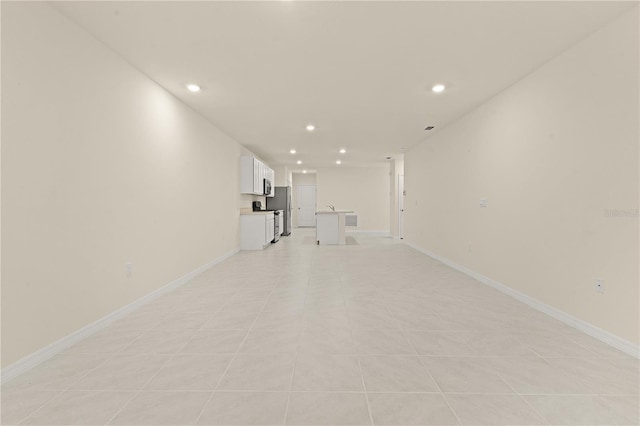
(330, 226)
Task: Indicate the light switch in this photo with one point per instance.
(483, 202)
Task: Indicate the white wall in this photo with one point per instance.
(283, 176)
(100, 166)
(362, 189)
(551, 154)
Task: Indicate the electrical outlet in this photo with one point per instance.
(599, 285)
(128, 269)
(483, 202)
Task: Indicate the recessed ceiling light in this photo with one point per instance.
(438, 88)
(299, 162)
(292, 151)
(342, 151)
(338, 162)
(193, 88)
(311, 127)
(304, 171)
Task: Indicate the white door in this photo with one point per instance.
(400, 205)
(306, 205)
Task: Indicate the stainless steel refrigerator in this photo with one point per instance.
(282, 201)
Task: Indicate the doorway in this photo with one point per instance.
(400, 206)
(306, 206)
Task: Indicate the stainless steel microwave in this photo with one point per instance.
(267, 187)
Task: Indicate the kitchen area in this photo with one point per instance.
(262, 225)
(332, 202)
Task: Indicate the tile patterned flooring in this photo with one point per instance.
(298, 334)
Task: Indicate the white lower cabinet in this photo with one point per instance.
(256, 230)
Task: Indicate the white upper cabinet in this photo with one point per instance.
(253, 172)
(257, 177)
(261, 170)
(250, 181)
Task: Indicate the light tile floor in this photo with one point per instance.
(372, 333)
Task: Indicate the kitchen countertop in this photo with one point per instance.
(250, 212)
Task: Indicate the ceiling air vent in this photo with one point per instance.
(429, 128)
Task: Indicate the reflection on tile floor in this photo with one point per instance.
(373, 333)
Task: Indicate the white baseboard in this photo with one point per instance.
(590, 329)
(41, 355)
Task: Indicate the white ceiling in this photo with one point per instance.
(360, 71)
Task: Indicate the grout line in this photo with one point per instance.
(364, 385)
(355, 287)
(617, 395)
(286, 410)
(446, 401)
(58, 395)
(534, 410)
(295, 360)
(109, 357)
(172, 357)
(522, 398)
(167, 362)
(68, 388)
(366, 393)
(236, 353)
